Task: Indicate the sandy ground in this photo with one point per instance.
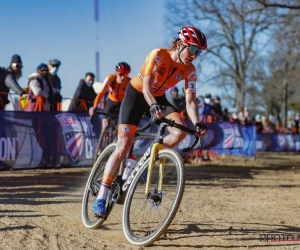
(233, 204)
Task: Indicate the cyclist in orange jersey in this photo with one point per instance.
(162, 69)
(116, 83)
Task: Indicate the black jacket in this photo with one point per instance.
(85, 93)
(7, 82)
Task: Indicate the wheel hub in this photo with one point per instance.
(157, 198)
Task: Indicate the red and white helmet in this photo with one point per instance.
(123, 67)
(192, 36)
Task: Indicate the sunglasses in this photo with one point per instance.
(17, 65)
(44, 70)
(194, 50)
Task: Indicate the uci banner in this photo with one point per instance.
(49, 139)
(275, 142)
(46, 139)
(225, 138)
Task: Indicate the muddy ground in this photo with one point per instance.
(235, 203)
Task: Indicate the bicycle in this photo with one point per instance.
(108, 135)
(147, 194)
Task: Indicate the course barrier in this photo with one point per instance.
(53, 139)
(49, 139)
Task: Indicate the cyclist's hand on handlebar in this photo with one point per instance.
(92, 111)
(201, 130)
(157, 110)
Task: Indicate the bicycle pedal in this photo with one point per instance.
(121, 199)
(99, 217)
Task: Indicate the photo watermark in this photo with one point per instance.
(280, 237)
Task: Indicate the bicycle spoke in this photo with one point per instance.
(147, 214)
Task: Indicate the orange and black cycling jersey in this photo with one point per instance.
(116, 90)
(167, 73)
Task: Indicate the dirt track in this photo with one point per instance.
(233, 204)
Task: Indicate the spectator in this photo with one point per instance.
(289, 124)
(16, 66)
(225, 115)
(85, 92)
(248, 120)
(267, 125)
(55, 81)
(241, 118)
(278, 128)
(234, 117)
(217, 107)
(206, 112)
(258, 124)
(8, 80)
(39, 86)
(295, 128)
(272, 120)
(205, 108)
(177, 101)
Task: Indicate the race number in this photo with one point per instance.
(192, 86)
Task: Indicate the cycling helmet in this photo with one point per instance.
(123, 67)
(192, 36)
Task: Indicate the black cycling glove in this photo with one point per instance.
(203, 128)
(155, 108)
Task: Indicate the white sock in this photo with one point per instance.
(103, 191)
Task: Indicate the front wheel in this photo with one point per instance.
(146, 218)
(92, 189)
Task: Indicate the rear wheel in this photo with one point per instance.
(102, 143)
(147, 217)
(92, 189)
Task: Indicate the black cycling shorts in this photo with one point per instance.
(134, 106)
(111, 107)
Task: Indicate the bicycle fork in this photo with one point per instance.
(154, 150)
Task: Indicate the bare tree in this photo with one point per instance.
(278, 74)
(235, 31)
(284, 4)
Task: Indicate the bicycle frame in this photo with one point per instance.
(150, 152)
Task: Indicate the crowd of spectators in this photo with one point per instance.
(45, 83)
(210, 110)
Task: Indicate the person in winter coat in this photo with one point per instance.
(40, 86)
(85, 92)
(8, 80)
(55, 82)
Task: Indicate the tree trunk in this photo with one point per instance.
(285, 102)
(240, 94)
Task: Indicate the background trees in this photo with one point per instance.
(253, 47)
